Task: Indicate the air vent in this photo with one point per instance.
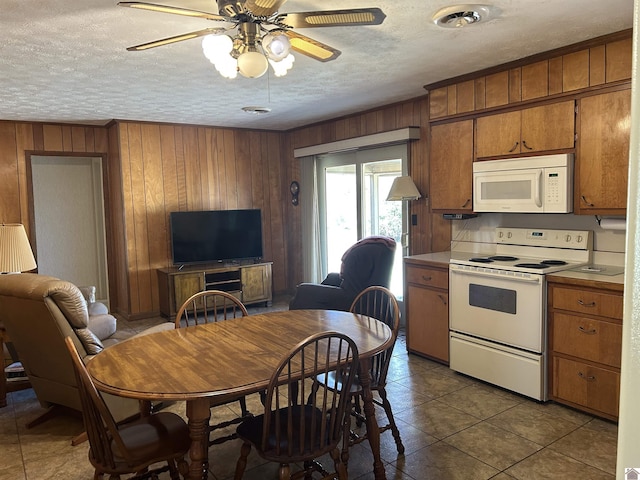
(256, 110)
(459, 16)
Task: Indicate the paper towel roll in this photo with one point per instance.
(613, 223)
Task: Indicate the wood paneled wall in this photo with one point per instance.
(17, 139)
(165, 168)
(431, 233)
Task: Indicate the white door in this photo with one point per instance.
(68, 206)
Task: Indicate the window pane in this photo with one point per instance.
(341, 213)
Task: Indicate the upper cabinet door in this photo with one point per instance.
(451, 162)
(536, 129)
(548, 127)
(498, 134)
(602, 161)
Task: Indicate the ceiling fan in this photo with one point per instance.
(264, 35)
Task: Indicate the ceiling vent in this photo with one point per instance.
(256, 110)
(459, 16)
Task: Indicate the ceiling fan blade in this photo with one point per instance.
(175, 10)
(263, 7)
(177, 38)
(333, 18)
(311, 48)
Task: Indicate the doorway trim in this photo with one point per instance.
(98, 165)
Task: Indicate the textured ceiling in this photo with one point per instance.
(65, 60)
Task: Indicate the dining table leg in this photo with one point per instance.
(373, 431)
(198, 414)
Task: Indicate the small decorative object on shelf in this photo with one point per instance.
(295, 190)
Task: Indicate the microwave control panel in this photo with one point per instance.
(557, 190)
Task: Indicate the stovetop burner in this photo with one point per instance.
(554, 262)
(504, 258)
(480, 260)
(538, 266)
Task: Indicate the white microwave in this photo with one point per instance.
(542, 184)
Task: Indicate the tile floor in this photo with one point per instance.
(453, 427)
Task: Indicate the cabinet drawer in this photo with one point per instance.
(587, 338)
(588, 302)
(428, 277)
(592, 387)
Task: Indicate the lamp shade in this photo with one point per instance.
(15, 251)
(403, 188)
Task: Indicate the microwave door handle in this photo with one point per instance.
(537, 197)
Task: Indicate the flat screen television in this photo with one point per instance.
(215, 236)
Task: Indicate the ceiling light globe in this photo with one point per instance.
(277, 46)
(216, 46)
(252, 64)
(281, 67)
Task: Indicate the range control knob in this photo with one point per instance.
(568, 238)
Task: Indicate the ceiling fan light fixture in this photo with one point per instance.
(252, 64)
(276, 45)
(281, 67)
(460, 16)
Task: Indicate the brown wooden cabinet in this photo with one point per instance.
(536, 129)
(602, 159)
(451, 163)
(427, 308)
(585, 341)
(251, 283)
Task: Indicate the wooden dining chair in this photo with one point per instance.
(379, 303)
(206, 307)
(118, 449)
(291, 431)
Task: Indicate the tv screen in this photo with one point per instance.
(215, 236)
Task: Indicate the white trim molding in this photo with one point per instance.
(376, 139)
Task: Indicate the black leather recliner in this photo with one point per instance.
(366, 263)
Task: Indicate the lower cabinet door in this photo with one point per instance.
(428, 322)
(586, 385)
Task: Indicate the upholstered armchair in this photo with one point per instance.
(366, 263)
(38, 312)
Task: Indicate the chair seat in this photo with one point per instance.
(156, 436)
(251, 430)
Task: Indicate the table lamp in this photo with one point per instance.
(403, 188)
(15, 251)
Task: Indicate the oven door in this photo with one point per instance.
(497, 305)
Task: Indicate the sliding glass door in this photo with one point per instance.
(352, 192)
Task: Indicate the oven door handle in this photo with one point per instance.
(537, 279)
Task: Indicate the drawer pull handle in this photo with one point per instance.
(426, 279)
(588, 378)
(442, 299)
(514, 147)
(592, 304)
(524, 144)
(588, 332)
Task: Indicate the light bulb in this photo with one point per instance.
(252, 64)
(276, 45)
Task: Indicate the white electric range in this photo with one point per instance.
(497, 312)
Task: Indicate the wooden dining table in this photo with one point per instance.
(232, 357)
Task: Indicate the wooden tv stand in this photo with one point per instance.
(250, 282)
